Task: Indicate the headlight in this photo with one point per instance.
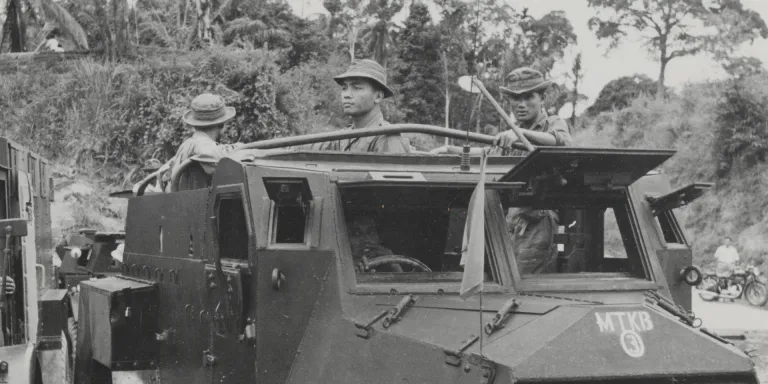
(76, 252)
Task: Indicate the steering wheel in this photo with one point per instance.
(394, 259)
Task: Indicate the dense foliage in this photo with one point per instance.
(107, 115)
(718, 130)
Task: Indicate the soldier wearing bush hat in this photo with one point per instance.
(526, 88)
(363, 88)
(532, 230)
(207, 115)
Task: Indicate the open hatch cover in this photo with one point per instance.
(596, 168)
(678, 198)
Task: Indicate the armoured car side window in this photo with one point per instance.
(613, 243)
(232, 228)
(559, 237)
(290, 223)
(669, 228)
(408, 234)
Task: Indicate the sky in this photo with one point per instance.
(601, 66)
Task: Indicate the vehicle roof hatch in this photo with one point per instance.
(677, 198)
(593, 168)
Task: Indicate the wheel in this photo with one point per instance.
(708, 295)
(756, 293)
(396, 259)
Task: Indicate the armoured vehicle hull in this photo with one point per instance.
(257, 275)
(35, 343)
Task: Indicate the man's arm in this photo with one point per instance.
(557, 135)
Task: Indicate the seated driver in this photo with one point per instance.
(365, 243)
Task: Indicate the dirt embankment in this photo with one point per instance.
(82, 203)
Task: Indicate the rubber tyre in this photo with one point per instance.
(756, 293)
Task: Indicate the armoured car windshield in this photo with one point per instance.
(407, 233)
(572, 236)
(414, 234)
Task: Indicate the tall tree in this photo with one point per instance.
(577, 74)
(419, 73)
(620, 92)
(377, 34)
(540, 43)
(677, 28)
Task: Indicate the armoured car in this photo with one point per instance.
(256, 275)
(35, 322)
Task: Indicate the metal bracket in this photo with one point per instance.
(498, 320)
(453, 357)
(365, 330)
(487, 368)
(397, 312)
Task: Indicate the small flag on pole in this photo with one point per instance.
(473, 243)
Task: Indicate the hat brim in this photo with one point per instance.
(189, 118)
(348, 75)
(518, 91)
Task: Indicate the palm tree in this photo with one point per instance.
(54, 15)
(377, 39)
(254, 31)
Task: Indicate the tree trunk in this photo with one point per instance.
(660, 90)
(15, 25)
(199, 14)
(447, 93)
(186, 10)
(352, 39)
(207, 22)
(573, 107)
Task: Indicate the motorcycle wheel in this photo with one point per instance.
(756, 293)
(708, 295)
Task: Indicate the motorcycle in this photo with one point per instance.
(743, 282)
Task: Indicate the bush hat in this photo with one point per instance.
(524, 80)
(367, 69)
(208, 109)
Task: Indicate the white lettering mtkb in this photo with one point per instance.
(612, 322)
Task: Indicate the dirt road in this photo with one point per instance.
(738, 317)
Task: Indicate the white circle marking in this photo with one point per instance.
(632, 343)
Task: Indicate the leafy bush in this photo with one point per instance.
(742, 131)
(111, 118)
(719, 133)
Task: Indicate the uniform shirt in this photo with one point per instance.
(554, 125)
(206, 150)
(382, 143)
(533, 231)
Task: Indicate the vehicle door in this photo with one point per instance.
(229, 279)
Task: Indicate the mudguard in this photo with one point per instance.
(22, 364)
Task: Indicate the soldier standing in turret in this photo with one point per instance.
(532, 231)
(363, 89)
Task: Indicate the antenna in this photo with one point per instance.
(465, 154)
